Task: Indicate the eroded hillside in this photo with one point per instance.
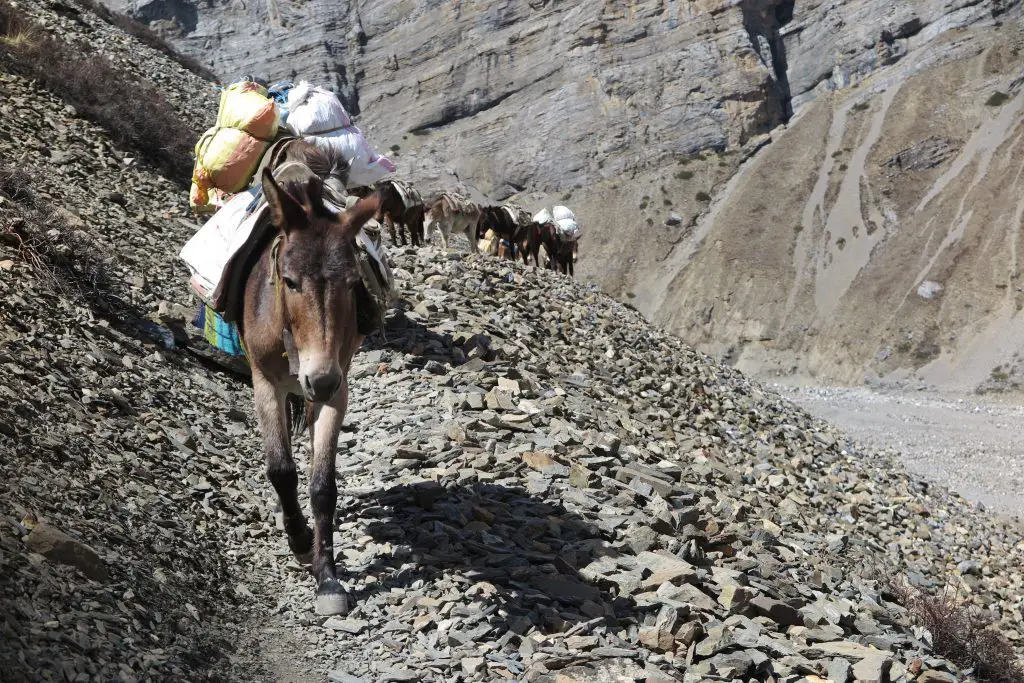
(892, 243)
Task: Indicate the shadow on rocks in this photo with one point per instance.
(404, 333)
(518, 554)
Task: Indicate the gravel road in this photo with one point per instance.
(973, 444)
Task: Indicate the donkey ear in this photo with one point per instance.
(285, 212)
(356, 217)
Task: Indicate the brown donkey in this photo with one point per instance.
(401, 209)
(300, 332)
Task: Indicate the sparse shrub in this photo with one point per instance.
(841, 242)
(843, 167)
(62, 258)
(962, 634)
(798, 229)
(861, 106)
(567, 196)
(134, 114)
(703, 197)
(684, 175)
(666, 201)
(999, 374)
(396, 148)
(644, 202)
(650, 222)
(997, 99)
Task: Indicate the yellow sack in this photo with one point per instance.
(246, 106)
(228, 154)
(489, 243)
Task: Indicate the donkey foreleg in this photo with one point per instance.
(271, 414)
(323, 496)
(389, 223)
(444, 227)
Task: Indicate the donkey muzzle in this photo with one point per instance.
(320, 388)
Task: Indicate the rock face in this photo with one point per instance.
(638, 116)
(550, 96)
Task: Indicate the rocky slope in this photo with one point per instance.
(639, 115)
(537, 484)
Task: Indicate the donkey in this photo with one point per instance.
(300, 331)
(401, 206)
(534, 236)
(562, 254)
(451, 212)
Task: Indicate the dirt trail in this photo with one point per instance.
(972, 444)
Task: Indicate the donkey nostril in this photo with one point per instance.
(324, 386)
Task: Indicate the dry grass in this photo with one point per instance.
(962, 634)
(134, 114)
(63, 259)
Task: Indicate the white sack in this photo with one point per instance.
(561, 213)
(313, 110)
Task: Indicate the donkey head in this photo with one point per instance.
(317, 271)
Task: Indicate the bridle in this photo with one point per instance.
(291, 352)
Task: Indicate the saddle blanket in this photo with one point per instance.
(219, 334)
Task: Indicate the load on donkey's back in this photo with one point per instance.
(255, 124)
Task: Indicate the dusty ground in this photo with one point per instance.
(973, 444)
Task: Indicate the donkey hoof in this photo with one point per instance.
(331, 599)
(301, 546)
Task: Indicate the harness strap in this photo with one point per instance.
(291, 352)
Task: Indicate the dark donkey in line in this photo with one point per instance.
(537, 235)
(300, 333)
(401, 209)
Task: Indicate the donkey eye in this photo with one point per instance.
(291, 284)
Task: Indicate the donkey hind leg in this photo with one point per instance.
(331, 598)
(415, 221)
(272, 416)
(469, 230)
